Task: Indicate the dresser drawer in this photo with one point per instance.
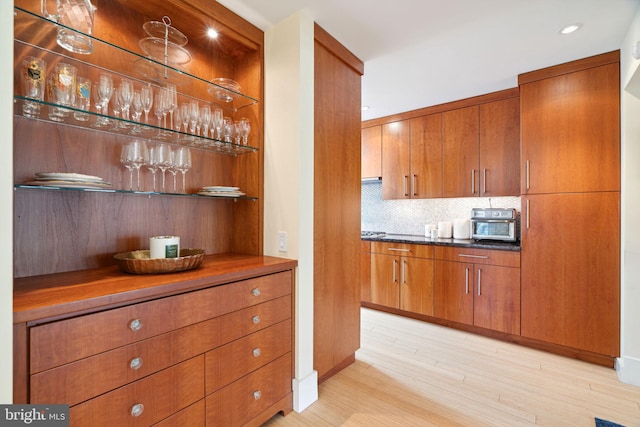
(244, 399)
(193, 416)
(479, 256)
(64, 341)
(234, 360)
(155, 397)
(98, 374)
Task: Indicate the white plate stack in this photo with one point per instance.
(69, 180)
(221, 191)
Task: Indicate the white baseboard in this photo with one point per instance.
(305, 391)
(628, 369)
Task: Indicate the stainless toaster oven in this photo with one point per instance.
(495, 224)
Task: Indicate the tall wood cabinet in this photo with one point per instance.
(337, 195)
(571, 204)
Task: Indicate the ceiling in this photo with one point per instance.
(419, 53)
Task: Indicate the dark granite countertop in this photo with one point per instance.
(465, 243)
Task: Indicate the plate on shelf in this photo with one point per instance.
(160, 30)
(155, 48)
(220, 188)
(72, 184)
(67, 176)
(222, 94)
(221, 193)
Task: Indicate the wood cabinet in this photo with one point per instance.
(412, 158)
(571, 205)
(198, 337)
(499, 170)
(336, 196)
(402, 276)
(461, 152)
(371, 152)
(365, 271)
(478, 287)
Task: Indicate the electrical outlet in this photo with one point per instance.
(282, 241)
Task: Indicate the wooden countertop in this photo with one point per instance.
(55, 296)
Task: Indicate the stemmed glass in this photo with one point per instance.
(152, 165)
(104, 91)
(125, 90)
(159, 111)
(245, 130)
(173, 168)
(127, 159)
(227, 128)
(162, 156)
(193, 116)
(205, 118)
(171, 102)
(136, 108)
(146, 96)
(133, 156)
(218, 123)
(182, 162)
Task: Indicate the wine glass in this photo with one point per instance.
(173, 168)
(152, 165)
(182, 162)
(184, 114)
(125, 90)
(146, 96)
(218, 122)
(205, 118)
(126, 158)
(104, 91)
(162, 156)
(245, 130)
(194, 113)
(158, 111)
(236, 133)
(140, 154)
(171, 101)
(136, 108)
(227, 128)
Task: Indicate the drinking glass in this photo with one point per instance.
(184, 113)
(162, 154)
(136, 111)
(227, 129)
(218, 123)
(171, 102)
(146, 96)
(205, 119)
(245, 130)
(104, 91)
(83, 98)
(126, 158)
(62, 90)
(152, 165)
(34, 73)
(237, 136)
(182, 162)
(173, 168)
(140, 157)
(194, 113)
(125, 91)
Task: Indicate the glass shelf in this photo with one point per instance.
(147, 193)
(117, 125)
(33, 32)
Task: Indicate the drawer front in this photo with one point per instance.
(155, 398)
(193, 416)
(402, 249)
(234, 360)
(244, 399)
(64, 341)
(478, 256)
(98, 374)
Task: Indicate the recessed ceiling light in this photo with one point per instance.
(571, 28)
(212, 34)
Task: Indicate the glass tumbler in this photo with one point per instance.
(62, 90)
(34, 72)
(83, 99)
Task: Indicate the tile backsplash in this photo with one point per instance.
(410, 216)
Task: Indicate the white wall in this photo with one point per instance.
(628, 365)
(288, 181)
(6, 197)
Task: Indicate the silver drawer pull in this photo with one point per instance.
(399, 250)
(255, 319)
(135, 325)
(473, 256)
(257, 394)
(136, 363)
(137, 409)
(257, 352)
(256, 292)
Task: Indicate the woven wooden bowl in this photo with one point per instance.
(138, 262)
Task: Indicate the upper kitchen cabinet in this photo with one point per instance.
(500, 148)
(371, 148)
(412, 158)
(461, 152)
(571, 127)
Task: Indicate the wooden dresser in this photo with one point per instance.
(211, 346)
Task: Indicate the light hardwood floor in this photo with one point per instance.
(411, 373)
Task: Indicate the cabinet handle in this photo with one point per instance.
(479, 280)
(135, 325)
(137, 409)
(255, 320)
(399, 250)
(402, 273)
(257, 352)
(473, 181)
(256, 292)
(484, 180)
(257, 394)
(413, 185)
(526, 174)
(473, 256)
(136, 363)
(528, 223)
(466, 280)
(406, 178)
(395, 262)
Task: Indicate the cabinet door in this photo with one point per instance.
(500, 148)
(571, 132)
(395, 160)
(571, 270)
(371, 148)
(461, 152)
(365, 271)
(385, 278)
(496, 300)
(426, 156)
(453, 291)
(416, 285)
